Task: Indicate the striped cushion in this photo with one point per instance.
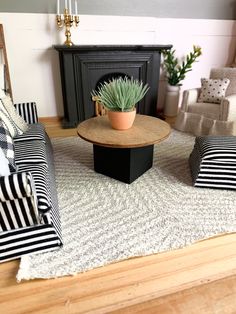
(40, 176)
(213, 162)
(27, 111)
(35, 132)
(16, 185)
(30, 152)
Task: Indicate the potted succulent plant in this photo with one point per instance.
(119, 96)
(175, 73)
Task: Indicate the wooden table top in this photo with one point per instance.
(145, 131)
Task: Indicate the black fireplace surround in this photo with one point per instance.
(84, 67)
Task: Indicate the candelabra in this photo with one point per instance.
(67, 20)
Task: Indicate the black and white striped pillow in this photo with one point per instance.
(7, 145)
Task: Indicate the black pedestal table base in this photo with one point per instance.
(123, 164)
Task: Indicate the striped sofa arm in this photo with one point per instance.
(28, 111)
(16, 185)
(18, 205)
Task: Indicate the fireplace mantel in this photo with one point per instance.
(82, 67)
(112, 47)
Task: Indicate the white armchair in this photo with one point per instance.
(205, 118)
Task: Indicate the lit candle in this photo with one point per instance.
(58, 7)
(70, 7)
(76, 8)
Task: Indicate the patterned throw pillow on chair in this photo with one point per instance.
(213, 91)
(7, 146)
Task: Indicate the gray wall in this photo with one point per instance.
(198, 9)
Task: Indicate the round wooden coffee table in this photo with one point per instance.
(123, 155)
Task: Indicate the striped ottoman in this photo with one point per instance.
(213, 162)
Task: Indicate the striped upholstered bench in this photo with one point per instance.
(213, 162)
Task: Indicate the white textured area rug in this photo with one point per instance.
(105, 221)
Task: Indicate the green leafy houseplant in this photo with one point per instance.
(176, 70)
(120, 94)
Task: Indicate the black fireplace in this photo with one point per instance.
(84, 67)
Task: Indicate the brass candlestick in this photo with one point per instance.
(67, 20)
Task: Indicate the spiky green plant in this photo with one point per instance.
(176, 70)
(120, 94)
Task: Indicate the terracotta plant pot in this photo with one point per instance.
(121, 120)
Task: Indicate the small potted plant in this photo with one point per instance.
(119, 96)
(175, 73)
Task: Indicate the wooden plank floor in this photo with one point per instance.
(198, 279)
(152, 284)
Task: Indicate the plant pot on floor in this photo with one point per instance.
(121, 120)
(171, 100)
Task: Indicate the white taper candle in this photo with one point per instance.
(66, 4)
(70, 7)
(58, 7)
(76, 7)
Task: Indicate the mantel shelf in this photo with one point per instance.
(112, 47)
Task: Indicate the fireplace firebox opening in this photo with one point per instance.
(109, 77)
